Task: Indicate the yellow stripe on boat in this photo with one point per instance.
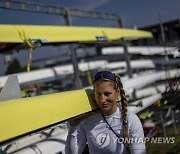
(64, 34)
(21, 116)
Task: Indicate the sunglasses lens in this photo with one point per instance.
(104, 74)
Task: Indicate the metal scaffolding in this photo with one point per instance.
(67, 14)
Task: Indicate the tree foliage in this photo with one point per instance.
(14, 67)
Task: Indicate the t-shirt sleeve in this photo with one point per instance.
(76, 140)
(136, 134)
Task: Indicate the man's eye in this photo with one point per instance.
(107, 94)
(97, 94)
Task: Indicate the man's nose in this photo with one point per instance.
(102, 98)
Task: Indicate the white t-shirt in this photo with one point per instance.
(101, 139)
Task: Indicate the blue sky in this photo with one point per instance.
(137, 13)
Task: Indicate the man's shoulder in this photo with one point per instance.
(95, 116)
(132, 116)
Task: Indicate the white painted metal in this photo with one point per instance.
(40, 143)
(141, 81)
(152, 90)
(49, 74)
(134, 64)
(50, 145)
(152, 50)
(146, 102)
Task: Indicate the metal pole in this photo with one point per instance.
(126, 53)
(167, 71)
(129, 69)
(162, 123)
(120, 21)
(173, 119)
(127, 57)
(67, 17)
(77, 80)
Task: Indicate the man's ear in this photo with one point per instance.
(118, 91)
(118, 96)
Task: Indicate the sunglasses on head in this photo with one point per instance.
(105, 75)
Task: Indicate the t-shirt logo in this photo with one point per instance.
(103, 139)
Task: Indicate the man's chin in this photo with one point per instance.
(104, 109)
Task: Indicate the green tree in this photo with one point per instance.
(14, 67)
